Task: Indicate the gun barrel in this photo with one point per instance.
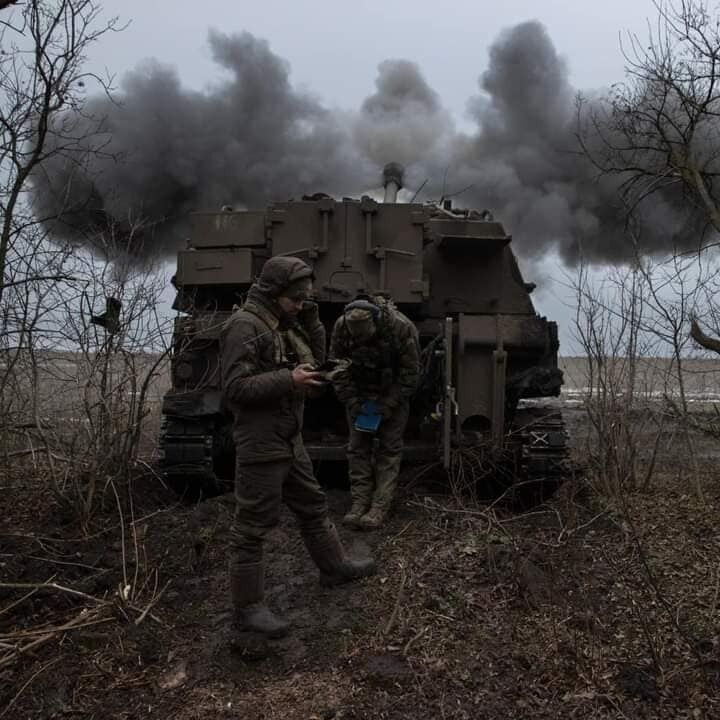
(392, 181)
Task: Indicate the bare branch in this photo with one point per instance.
(702, 339)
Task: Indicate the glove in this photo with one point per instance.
(309, 316)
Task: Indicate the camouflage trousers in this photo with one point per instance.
(374, 461)
(260, 488)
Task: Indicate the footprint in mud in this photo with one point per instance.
(228, 648)
(387, 668)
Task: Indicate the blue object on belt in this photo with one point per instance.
(369, 418)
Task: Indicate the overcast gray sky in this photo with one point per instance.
(334, 50)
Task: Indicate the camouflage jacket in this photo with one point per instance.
(258, 351)
(387, 367)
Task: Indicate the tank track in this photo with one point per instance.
(544, 459)
(190, 450)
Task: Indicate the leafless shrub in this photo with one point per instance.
(74, 394)
(77, 393)
(640, 391)
(656, 134)
(42, 75)
(642, 394)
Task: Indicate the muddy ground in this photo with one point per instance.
(586, 607)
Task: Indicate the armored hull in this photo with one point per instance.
(452, 272)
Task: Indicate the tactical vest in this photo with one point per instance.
(291, 345)
(374, 365)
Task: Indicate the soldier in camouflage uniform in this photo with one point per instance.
(269, 348)
(381, 345)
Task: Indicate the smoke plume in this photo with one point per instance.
(163, 151)
(403, 119)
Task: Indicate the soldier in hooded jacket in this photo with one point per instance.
(381, 348)
(269, 348)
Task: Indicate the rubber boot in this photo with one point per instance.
(360, 474)
(251, 614)
(357, 510)
(387, 470)
(373, 519)
(335, 566)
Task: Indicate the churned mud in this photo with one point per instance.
(578, 608)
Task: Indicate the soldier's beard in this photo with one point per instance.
(286, 319)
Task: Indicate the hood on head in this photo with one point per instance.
(279, 273)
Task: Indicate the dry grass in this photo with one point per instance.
(590, 606)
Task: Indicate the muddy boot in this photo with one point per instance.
(251, 614)
(335, 566)
(357, 510)
(373, 518)
(360, 474)
(386, 472)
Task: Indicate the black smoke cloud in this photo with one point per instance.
(165, 151)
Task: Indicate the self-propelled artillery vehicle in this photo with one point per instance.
(484, 348)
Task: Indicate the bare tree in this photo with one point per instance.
(75, 395)
(42, 77)
(658, 134)
(643, 382)
(658, 131)
(111, 382)
(42, 87)
(610, 316)
(81, 385)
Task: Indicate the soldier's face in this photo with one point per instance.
(292, 305)
(362, 332)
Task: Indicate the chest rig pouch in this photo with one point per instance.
(374, 364)
(291, 344)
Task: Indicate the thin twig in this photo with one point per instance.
(412, 640)
(27, 684)
(398, 600)
(20, 601)
(51, 586)
(47, 635)
(152, 470)
(122, 543)
(153, 601)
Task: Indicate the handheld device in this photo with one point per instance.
(327, 366)
(369, 418)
